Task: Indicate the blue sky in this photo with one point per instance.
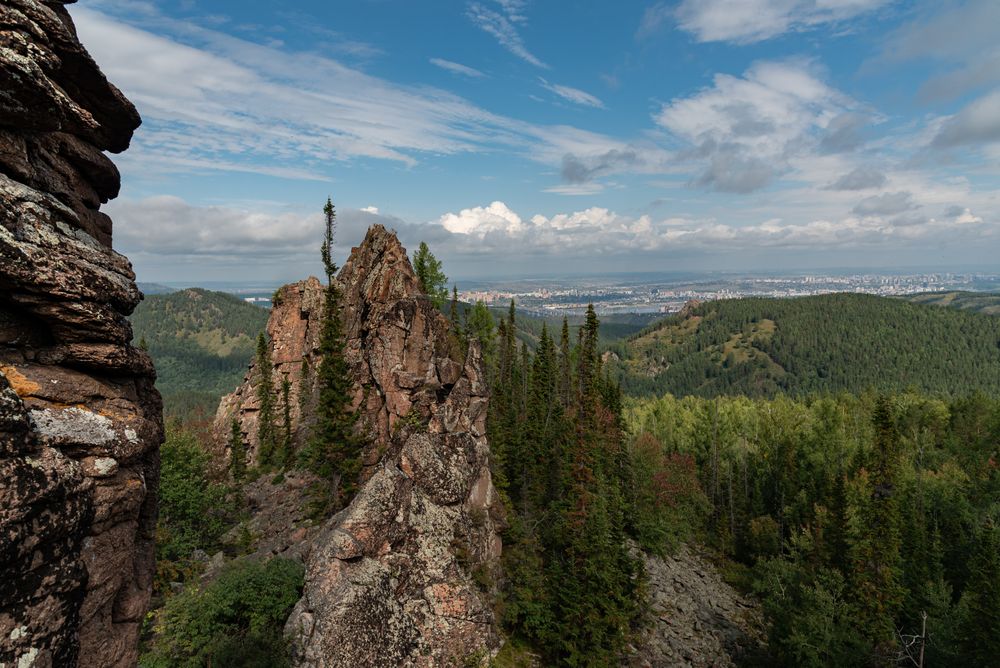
(522, 137)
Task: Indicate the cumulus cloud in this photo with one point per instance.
(482, 220)
(574, 95)
(748, 21)
(456, 68)
(503, 26)
(978, 123)
(861, 178)
(744, 129)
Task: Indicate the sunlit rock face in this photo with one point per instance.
(402, 576)
(80, 420)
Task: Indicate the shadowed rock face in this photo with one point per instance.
(80, 421)
(392, 579)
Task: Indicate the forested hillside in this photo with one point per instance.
(201, 342)
(981, 302)
(850, 518)
(828, 343)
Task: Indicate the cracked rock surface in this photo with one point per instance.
(80, 420)
(402, 576)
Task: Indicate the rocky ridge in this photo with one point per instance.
(80, 420)
(401, 577)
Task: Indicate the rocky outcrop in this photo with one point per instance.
(696, 619)
(80, 420)
(402, 575)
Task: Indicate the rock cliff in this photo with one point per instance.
(402, 575)
(80, 420)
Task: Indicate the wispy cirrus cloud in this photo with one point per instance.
(574, 95)
(456, 68)
(749, 21)
(503, 25)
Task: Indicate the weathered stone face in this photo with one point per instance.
(80, 421)
(392, 579)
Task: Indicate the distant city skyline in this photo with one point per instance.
(521, 137)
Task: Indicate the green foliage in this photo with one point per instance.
(193, 508)
(267, 429)
(236, 620)
(857, 515)
(828, 343)
(981, 302)
(571, 586)
(432, 280)
(201, 342)
(334, 448)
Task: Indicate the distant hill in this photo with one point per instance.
(201, 342)
(981, 302)
(155, 289)
(828, 343)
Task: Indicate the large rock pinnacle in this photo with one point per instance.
(402, 576)
(80, 421)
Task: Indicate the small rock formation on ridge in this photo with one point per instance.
(80, 420)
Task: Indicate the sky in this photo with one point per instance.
(530, 138)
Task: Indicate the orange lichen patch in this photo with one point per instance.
(448, 600)
(19, 382)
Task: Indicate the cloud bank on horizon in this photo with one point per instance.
(513, 136)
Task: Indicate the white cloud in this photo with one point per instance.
(482, 220)
(503, 26)
(456, 68)
(232, 104)
(370, 209)
(748, 21)
(745, 129)
(574, 95)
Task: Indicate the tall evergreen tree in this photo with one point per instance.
(979, 609)
(267, 433)
(334, 450)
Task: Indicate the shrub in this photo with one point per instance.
(234, 621)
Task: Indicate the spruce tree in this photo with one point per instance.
(979, 608)
(286, 432)
(267, 436)
(334, 450)
(428, 270)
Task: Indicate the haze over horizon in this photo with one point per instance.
(519, 137)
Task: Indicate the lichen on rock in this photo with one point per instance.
(80, 420)
(401, 575)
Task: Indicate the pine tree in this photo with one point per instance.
(979, 608)
(565, 366)
(267, 437)
(875, 545)
(237, 452)
(428, 270)
(334, 450)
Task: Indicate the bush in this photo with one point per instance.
(193, 509)
(234, 621)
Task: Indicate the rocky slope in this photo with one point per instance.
(80, 420)
(399, 577)
(696, 619)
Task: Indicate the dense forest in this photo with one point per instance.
(840, 342)
(201, 342)
(981, 302)
(851, 517)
